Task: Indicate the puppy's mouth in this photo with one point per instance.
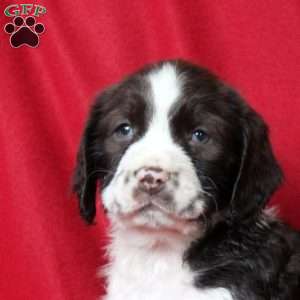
(153, 205)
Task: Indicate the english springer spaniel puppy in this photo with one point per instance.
(186, 170)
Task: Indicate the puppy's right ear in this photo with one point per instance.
(84, 178)
(89, 159)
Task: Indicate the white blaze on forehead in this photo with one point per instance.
(165, 88)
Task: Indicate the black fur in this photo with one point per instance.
(245, 251)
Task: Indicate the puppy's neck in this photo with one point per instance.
(148, 264)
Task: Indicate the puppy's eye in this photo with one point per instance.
(199, 136)
(124, 131)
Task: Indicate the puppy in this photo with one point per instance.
(186, 170)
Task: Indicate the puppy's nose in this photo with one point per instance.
(152, 179)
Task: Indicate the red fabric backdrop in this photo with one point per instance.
(46, 251)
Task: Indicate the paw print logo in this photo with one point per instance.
(24, 31)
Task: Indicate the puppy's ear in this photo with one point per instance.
(259, 174)
(86, 174)
(84, 178)
(90, 159)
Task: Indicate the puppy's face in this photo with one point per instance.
(171, 145)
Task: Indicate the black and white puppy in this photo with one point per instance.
(186, 169)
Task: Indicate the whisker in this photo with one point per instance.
(214, 200)
(205, 220)
(210, 180)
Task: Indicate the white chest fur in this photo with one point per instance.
(141, 270)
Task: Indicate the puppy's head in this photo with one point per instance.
(172, 146)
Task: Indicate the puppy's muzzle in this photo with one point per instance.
(152, 180)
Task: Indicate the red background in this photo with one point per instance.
(46, 251)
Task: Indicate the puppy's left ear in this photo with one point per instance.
(260, 174)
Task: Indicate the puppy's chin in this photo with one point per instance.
(152, 218)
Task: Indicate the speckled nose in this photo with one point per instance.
(152, 179)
